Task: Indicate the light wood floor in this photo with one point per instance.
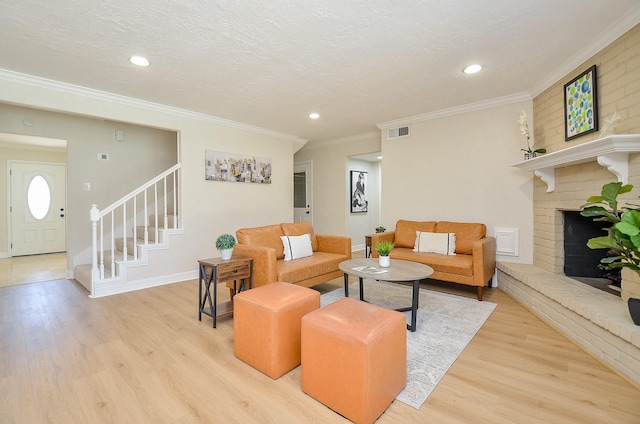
(143, 357)
(32, 269)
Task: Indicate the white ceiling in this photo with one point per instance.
(268, 63)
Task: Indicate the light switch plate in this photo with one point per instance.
(119, 135)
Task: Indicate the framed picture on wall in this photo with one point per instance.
(581, 105)
(359, 201)
(222, 166)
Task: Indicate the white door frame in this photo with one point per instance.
(9, 215)
(307, 168)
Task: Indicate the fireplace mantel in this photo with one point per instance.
(611, 152)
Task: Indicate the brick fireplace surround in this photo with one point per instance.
(597, 321)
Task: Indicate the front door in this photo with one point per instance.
(37, 204)
(302, 192)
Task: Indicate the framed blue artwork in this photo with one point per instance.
(581, 105)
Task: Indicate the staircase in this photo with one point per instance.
(125, 233)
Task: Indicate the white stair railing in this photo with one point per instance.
(119, 218)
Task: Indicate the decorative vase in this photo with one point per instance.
(226, 254)
(634, 310)
(529, 155)
(384, 261)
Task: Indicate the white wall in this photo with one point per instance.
(455, 168)
(331, 181)
(209, 208)
(458, 168)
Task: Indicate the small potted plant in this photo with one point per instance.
(225, 244)
(384, 247)
(380, 229)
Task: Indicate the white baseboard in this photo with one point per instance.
(108, 289)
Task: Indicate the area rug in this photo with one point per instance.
(446, 324)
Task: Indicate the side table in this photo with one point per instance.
(367, 246)
(214, 271)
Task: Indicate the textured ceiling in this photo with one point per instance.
(268, 63)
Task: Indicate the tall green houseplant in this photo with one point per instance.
(623, 237)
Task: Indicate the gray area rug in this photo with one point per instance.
(446, 324)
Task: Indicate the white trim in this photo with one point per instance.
(612, 152)
(61, 87)
(343, 140)
(104, 288)
(457, 110)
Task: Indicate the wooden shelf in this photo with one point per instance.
(611, 152)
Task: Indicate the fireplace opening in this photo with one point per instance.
(580, 262)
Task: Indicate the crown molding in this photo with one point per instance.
(89, 93)
(457, 110)
(343, 140)
(614, 32)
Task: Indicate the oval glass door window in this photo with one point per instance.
(39, 197)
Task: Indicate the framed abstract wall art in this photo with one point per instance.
(581, 105)
(359, 203)
(220, 166)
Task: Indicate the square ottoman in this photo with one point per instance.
(266, 322)
(354, 358)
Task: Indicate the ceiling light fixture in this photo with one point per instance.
(472, 69)
(139, 60)
(314, 115)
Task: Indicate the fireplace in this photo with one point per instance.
(580, 261)
(596, 320)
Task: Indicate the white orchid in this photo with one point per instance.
(524, 126)
(524, 130)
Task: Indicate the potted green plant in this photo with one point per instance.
(225, 244)
(384, 247)
(622, 237)
(380, 229)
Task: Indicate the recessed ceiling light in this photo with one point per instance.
(472, 69)
(139, 60)
(314, 115)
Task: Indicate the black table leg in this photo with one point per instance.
(214, 309)
(200, 303)
(346, 285)
(360, 280)
(414, 305)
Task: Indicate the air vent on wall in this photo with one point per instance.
(398, 132)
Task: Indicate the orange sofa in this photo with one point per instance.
(474, 261)
(264, 246)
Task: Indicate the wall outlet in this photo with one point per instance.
(103, 156)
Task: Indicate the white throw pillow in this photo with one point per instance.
(443, 243)
(296, 247)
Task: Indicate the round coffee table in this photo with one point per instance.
(399, 270)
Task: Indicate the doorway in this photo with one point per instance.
(20, 148)
(302, 175)
(37, 207)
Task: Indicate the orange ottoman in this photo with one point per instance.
(354, 358)
(266, 322)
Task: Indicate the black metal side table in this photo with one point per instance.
(214, 271)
